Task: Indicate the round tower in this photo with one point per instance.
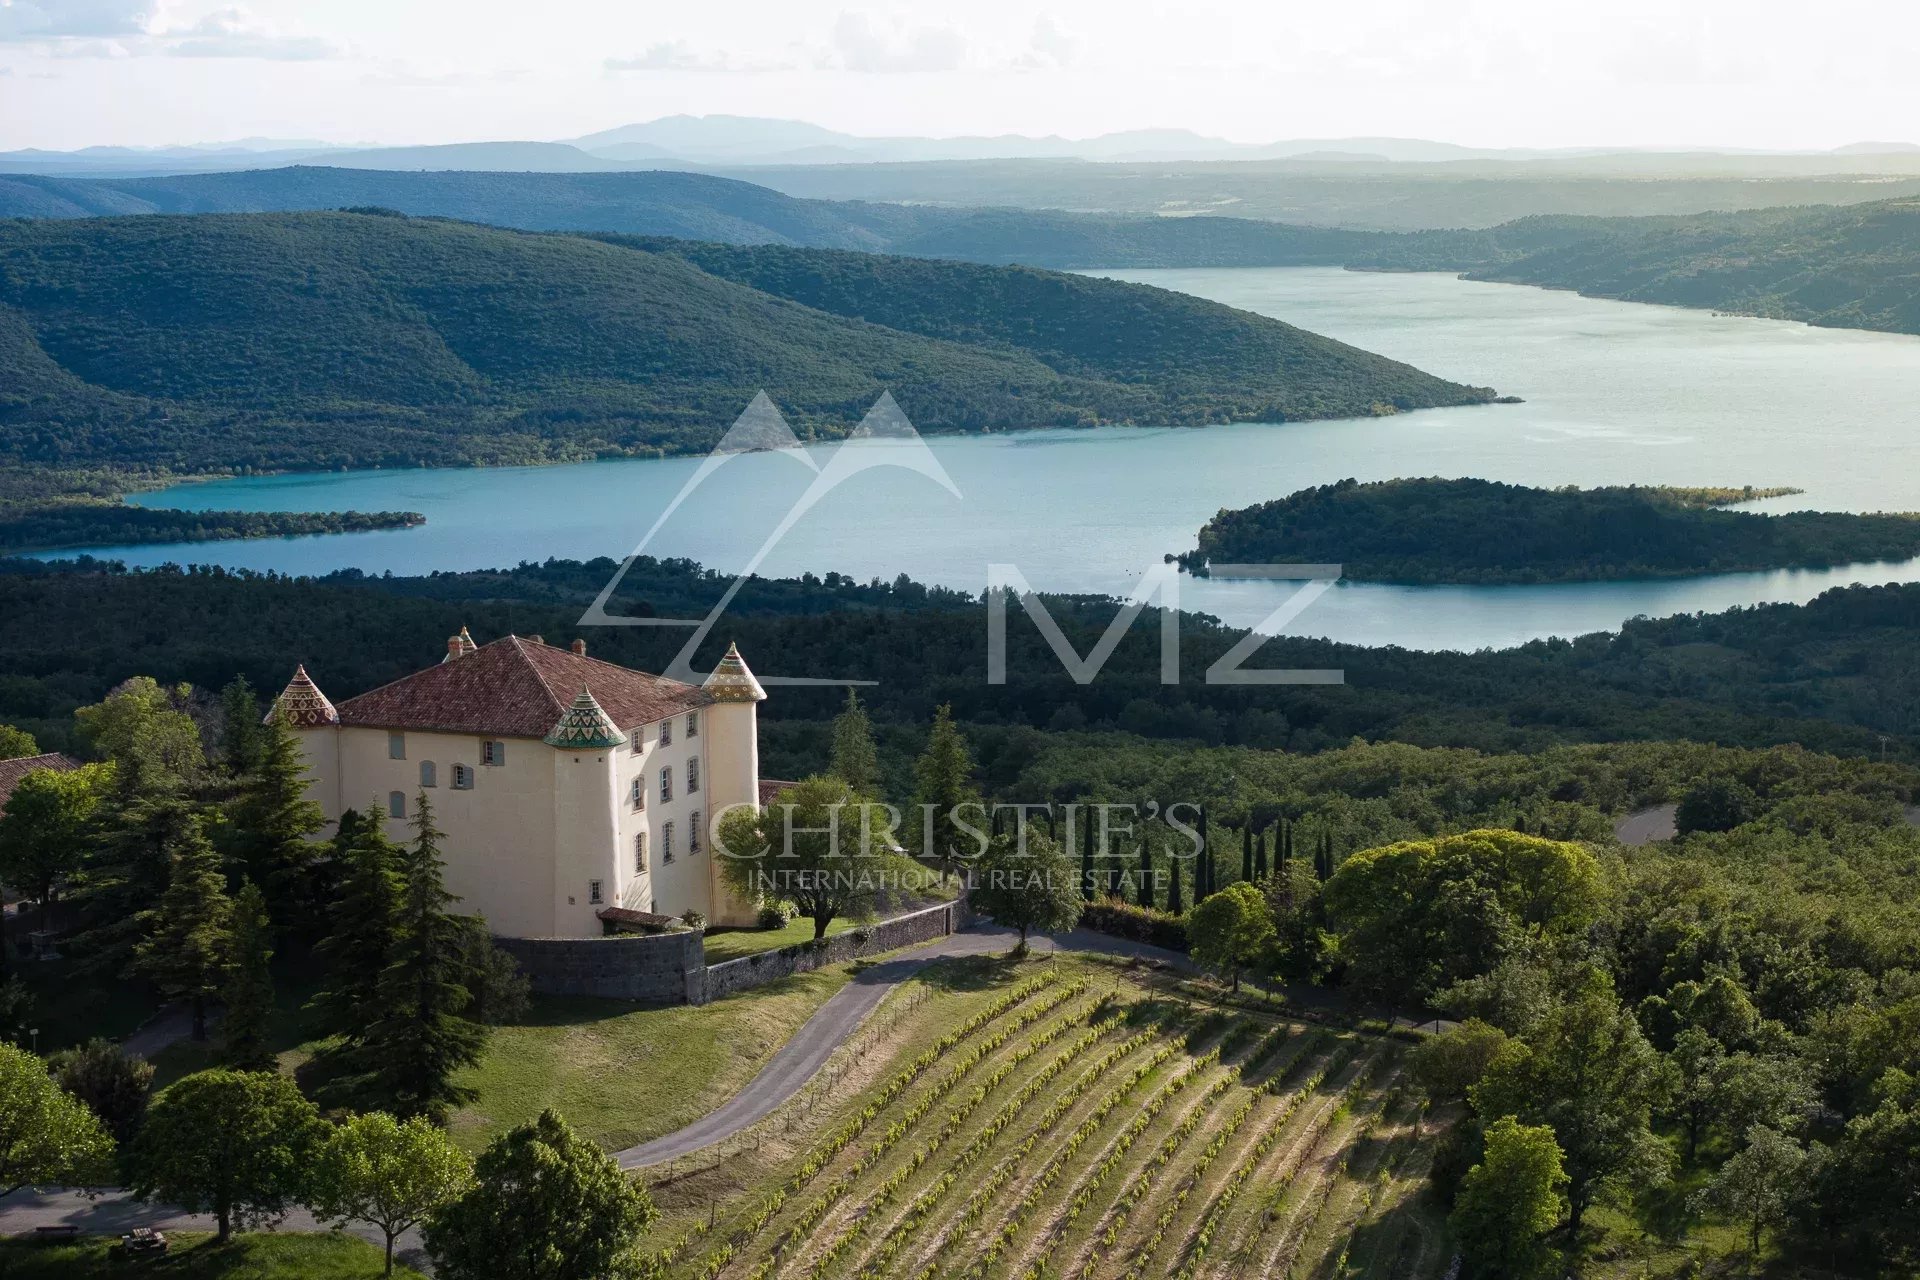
(732, 736)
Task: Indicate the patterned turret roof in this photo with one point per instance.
(584, 726)
(305, 705)
(731, 681)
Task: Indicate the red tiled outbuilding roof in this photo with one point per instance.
(517, 688)
(770, 789)
(12, 771)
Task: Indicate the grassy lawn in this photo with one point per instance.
(623, 1075)
(260, 1256)
(731, 944)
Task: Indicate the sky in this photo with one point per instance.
(1536, 73)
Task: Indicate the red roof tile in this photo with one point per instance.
(12, 771)
(515, 688)
(770, 789)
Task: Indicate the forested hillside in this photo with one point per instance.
(353, 339)
(1855, 266)
(1432, 530)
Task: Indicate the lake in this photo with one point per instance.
(1615, 393)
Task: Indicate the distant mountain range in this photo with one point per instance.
(716, 140)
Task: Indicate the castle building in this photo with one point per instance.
(574, 793)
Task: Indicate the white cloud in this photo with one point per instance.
(678, 55)
(861, 44)
(1048, 47)
(232, 33)
(53, 19)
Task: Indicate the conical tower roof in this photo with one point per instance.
(306, 707)
(731, 681)
(584, 726)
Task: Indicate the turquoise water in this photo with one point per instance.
(1615, 393)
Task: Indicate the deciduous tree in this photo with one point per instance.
(46, 1134)
(235, 1144)
(545, 1204)
(390, 1173)
(1509, 1201)
(1231, 929)
(1030, 887)
(819, 846)
(113, 1083)
(1758, 1184)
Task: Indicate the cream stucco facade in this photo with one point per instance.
(545, 833)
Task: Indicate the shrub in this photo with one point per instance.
(1140, 924)
(693, 919)
(774, 915)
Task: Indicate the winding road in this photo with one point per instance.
(113, 1212)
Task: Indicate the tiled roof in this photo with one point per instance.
(515, 688)
(770, 789)
(305, 706)
(731, 680)
(585, 725)
(12, 771)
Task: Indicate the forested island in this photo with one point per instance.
(60, 524)
(1481, 531)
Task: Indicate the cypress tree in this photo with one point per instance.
(360, 940)
(1260, 856)
(855, 761)
(1176, 902)
(248, 994)
(943, 781)
(418, 1039)
(1246, 850)
(188, 951)
(1146, 872)
(273, 818)
(1086, 853)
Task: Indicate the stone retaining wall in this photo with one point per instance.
(916, 927)
(671, 968)
(662, 968)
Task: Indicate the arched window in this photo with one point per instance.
(396, 804)
(666, 843)
(639, 794)
(666, 783)
(640, 851)
(693, 774)
(427, 774)
(666, 732)
(693, 832)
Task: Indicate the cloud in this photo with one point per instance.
(231, 33)
(861, 45)
(678, 55)
(54, 19)
(1049, 47)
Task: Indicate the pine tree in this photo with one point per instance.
(855, 760)
(240, 737)
(273, 818)
(418, 1038)
(248, 994)
(360, 938)
(189, 947)
(943, 782)
(1146, 872)
(128, 863)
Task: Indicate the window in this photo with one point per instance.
(666, 843)
(693, 775)
(639, 794)
(666, 784)
(396, 804)
(693, 724)
(637, 740)
(462, 778)
(593, 892)
(640, 851)
(427, 774)
(693, 832)
(396, 746)
(666, 732)
(493, 753)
